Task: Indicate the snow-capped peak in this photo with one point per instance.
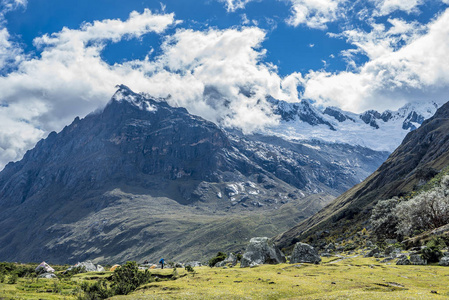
(372, 129)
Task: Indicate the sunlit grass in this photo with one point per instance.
(335, 278)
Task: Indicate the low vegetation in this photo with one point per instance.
(346, 277)
(409, 216)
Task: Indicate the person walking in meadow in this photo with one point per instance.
(162, 262)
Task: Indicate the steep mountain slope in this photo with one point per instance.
(423, 152)
(371, 129)
(141, 179)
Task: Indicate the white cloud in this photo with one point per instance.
(386, 7)
(218, 74)
(393, 76)
(315, 13)
(68, 79)
(233, 5)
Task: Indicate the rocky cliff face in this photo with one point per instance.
(422, 154)
(141, 177)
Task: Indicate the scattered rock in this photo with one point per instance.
(373, 252)
(416, 259)
(231, 259)
(44, 268)
(403, 261)
(444, 261)
(369, 244)
(392, 251)
(261, 251)
(304, 253)
(193, 264)
(326, 254)
(100, 268)
(47, 276)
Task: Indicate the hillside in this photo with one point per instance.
(422, 154)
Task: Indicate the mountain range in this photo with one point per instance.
(422, 154)
(141, 179)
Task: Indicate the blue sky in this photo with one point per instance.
(59, 60)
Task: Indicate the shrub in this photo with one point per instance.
(189, 269)
(432, 251)
(13, 278)
(384, 220)
(2, 277)
(221, 256)
(97, 290)
(426, 211)
(128, 278)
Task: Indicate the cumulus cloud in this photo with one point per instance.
(315, 13)
(386, 7)
(233, 5)
(218, 74)
(392, 75)
(68, 79)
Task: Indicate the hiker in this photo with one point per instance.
(162, 262)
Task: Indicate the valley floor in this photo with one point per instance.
(334, 278)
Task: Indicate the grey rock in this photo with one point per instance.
(372, 253)
(369, 244)
(392, 251)
(47, 276)
(416, 259)
(325, 254)
(100, 268)
(87, 265)
(304, 253)
(444, 261)
(261, 251)
(231, 259)
(403, 261)
(193, 264)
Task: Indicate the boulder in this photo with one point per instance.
(373, 252)
(47, 276)
(392, 251)
(100, 268)
(304, 253)
(261, 251)
(194, 264)
(369, 244)
(44, 268)
(87, 265)
(416, 259)
(444, 261)
(231, 259)
(403, 261)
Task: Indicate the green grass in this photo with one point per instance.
(349, 278)
(352, 278)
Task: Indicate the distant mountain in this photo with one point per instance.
(371, 129)
(142, 179)
(423, 153)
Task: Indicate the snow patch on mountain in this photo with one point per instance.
(371, 129)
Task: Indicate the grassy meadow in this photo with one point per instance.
(334, 278)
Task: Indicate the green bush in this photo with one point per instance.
(2, 277)
(95, 291)
(189, 269)
(128, 278)
(432, 252)
(13, 278)
(221, 256)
